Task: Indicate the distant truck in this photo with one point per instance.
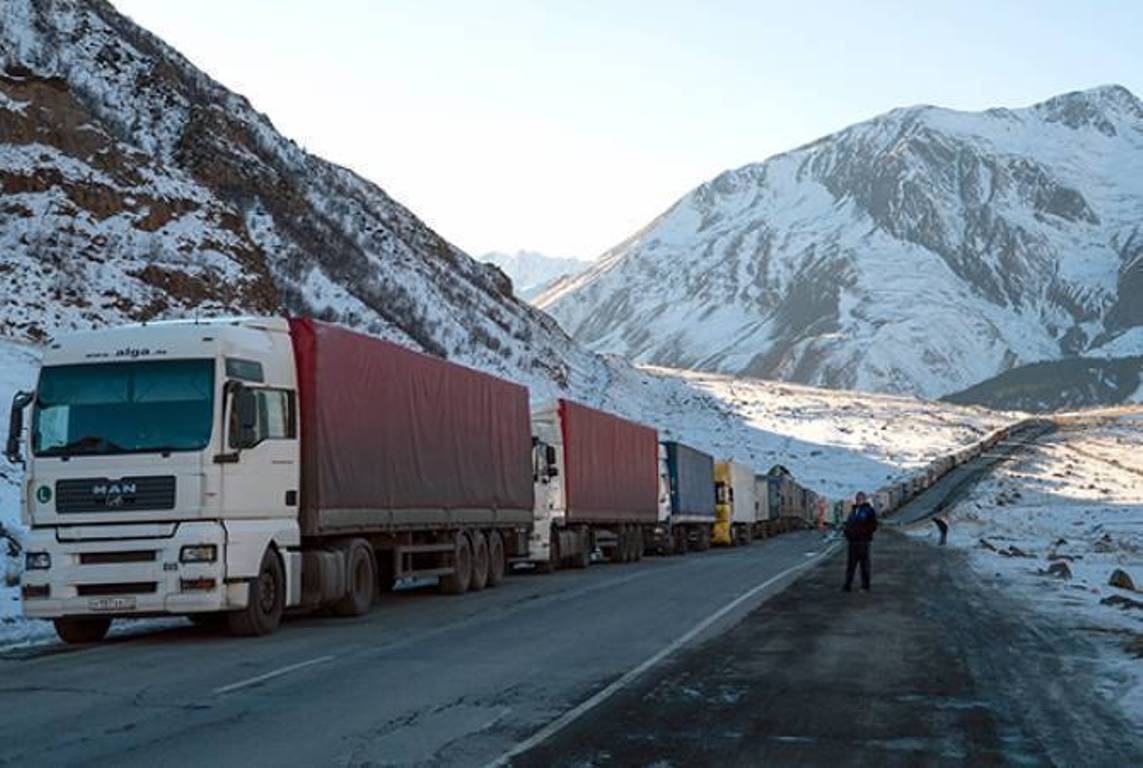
(686, 515)
(243, 467)
(737, 513)
(597, 485)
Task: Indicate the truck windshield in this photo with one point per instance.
(123, 408)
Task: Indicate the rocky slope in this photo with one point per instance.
(922, 251)
(1059, 385)
(136, 187)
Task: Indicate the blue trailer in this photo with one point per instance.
(687, 498)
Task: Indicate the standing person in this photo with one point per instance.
(859, 528)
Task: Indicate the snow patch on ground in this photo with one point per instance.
(1076, 498)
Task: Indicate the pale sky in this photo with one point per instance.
(564, 127)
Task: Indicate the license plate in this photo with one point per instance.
(111, 604)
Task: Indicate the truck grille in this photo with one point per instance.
(105, 558)
(128, 494)
(125, 588)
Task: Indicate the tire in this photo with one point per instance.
(265, 602)
(479, 561)
(75, 630)
(553, 561)
(622, 547)
(703, 543)
(582, 559)
(456, 583)
(497, 565)
(637, 544)
(361, 578)
(680, 536)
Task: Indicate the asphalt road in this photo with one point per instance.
(423, 679)
(934, 666)
(960, 480)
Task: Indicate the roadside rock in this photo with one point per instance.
(1060, 570)
(1120, 578)
(1121, 602)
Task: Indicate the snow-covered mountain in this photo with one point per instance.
(922, 251)
(136, 187)
(532, 272)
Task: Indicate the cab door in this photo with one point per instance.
(260, 473)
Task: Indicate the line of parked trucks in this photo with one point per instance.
(237, 469)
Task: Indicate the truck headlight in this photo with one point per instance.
(37, 561)
(198, 553)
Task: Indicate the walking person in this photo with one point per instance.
(859, 528)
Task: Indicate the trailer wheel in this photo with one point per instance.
(479, 561)
(496, 563)
(703, 543)
(82, 629)
(265, 602)
(456, 583)
(361, 576)
(621, 549)
(637, 543)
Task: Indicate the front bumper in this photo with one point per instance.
(119, 576)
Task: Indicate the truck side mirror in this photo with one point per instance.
(16, 427)
(246, 408)
(550, 457)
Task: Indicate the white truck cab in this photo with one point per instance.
(162, 464)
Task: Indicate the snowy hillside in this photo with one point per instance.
(922, 251)
(136, 187)
(1074, 502)
(532, 272)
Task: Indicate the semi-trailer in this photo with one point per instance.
(735, 511)
(245, 467)
(686, 512)
(597, 487)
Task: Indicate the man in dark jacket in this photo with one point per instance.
(859, 528)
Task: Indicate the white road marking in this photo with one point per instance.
(586, 706)
(272, 674)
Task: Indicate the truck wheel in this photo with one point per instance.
(553, 561)
(496, 563)
(680, 537)
(266, 599)
(703, 539)
(620, 551)
(361, 577)
(456, 583)
(479, 561)
(75, 629)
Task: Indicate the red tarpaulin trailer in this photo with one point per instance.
(394, 438)
(612, 467)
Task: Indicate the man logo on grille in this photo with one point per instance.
(113, 494)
